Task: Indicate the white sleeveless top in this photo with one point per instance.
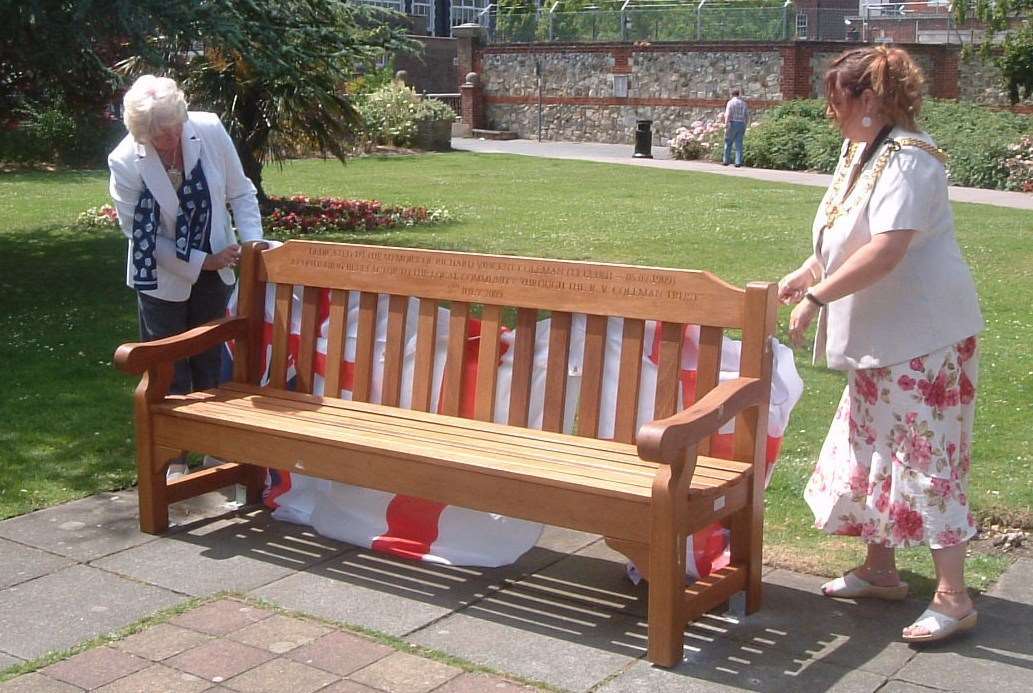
(929, 300)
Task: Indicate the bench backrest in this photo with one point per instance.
(492, 284)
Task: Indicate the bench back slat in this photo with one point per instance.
(685, 296)
(592, 375)
(452, 385)
(523, 365)
(628, 381)
(281, 331)
(668, 368)
(377, 288)
(335, 342)
(423, 366)
(307, 346)
(487, 358)
(247, 362)
(708, 368)
(394, 350)
(364, 342)
(556, 372)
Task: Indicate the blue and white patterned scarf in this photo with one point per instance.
(193, 227)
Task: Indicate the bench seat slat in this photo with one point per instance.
(592, 446)
(498, 454)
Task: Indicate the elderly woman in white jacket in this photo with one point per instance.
(172, 178)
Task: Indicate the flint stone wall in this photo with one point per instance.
(589, 74)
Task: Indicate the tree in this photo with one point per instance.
(272, 69)
(1014, 56)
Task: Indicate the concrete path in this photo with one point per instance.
(622, 154)
(564, 615)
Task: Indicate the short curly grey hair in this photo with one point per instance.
(151, 105)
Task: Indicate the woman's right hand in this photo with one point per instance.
(794, 285)
(227, 257)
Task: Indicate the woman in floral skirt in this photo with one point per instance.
(897, 310)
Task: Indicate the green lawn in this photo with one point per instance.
(66, 414)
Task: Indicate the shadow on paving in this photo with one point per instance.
(552, 605)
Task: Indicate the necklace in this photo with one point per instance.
(862, 186)
(173, 171)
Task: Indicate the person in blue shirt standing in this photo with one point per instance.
(737, 117)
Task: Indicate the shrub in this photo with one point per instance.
(976, 139)
(1020, 165)
(392, 114)
(696, 141)
(56, 135)
(797, 135)
(794, 136)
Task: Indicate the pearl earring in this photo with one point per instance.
(866, 122)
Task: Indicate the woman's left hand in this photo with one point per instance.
(799, 320)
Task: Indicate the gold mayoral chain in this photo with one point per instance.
(866, 182)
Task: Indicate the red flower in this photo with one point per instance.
(918, 364)
(966, 349)
(866, 387)
(906, 382)
(967, 390)
(907, 523)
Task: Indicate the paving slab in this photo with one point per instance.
(219, 660)
(278, 675)
(221, 617)
(37, 683)
(95, 668)
(596, 576)
(226, 554)
(161, 642)
(524, 631)
(84, 529)
(894, 686)
(725, 666)
(279, 634)
(155, 678)
(340, 653)
(78, 603)
(997, 657)
(392, 595)
(19, 563)
(7, 660)
(405, 673)
(346, 686)
(1011, 598)
(482, 683)
(856, 634)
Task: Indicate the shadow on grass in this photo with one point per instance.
(66, 412)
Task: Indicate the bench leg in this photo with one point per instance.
(255, 483)
(666, 577)
(747, 548)
(152, 488)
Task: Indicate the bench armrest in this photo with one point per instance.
(665, 440)
(137, 357)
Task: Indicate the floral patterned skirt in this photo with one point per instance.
(894, 468)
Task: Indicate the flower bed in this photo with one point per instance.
(299, 215)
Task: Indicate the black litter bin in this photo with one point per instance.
(644, 140)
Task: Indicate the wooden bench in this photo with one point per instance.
(645, 491)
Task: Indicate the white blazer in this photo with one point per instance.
(135, 165)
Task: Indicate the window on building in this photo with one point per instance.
(801, 25)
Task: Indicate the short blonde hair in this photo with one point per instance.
(151, 105)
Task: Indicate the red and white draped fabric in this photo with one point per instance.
(426, 530)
